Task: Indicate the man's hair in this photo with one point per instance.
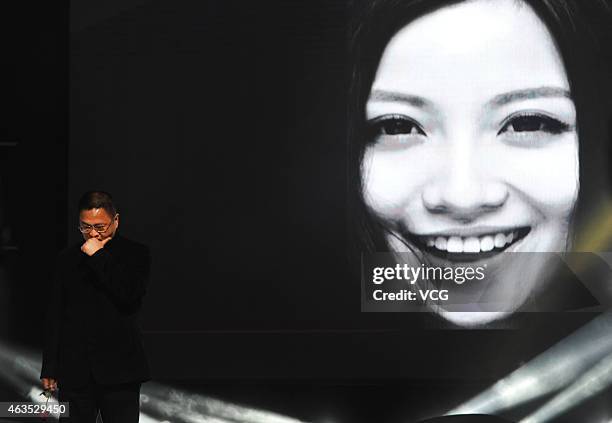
(97, 200)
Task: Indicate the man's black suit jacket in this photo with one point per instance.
(92, 316)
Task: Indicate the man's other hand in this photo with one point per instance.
(92, 245)
(49, 384)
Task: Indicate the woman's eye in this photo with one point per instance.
(395, 132)
(395, 125)
(400, 126)
(534, 123)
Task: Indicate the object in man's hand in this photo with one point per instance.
(47, 394)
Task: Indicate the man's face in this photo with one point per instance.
(98, 220)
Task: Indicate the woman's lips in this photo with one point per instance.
(466, 246)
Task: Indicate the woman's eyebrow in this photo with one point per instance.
(390, 96)
(527, 94)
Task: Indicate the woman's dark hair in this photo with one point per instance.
(581, 29)
(97, 200)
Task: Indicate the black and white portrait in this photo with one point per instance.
(475, 130)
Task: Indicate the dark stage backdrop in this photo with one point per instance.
(219, 126)
(34, 45)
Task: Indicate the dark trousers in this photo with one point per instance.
(116, 403)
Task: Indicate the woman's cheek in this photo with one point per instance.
(392, 180)
(548, 177)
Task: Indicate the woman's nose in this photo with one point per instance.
(464, 189)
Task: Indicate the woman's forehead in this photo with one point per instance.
(471, 49)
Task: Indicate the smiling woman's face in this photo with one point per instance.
(474, 148)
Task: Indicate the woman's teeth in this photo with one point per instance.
(457, 244)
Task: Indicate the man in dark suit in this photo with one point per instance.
(93, 350)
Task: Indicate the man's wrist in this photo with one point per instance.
(98, 259)
(99, 251)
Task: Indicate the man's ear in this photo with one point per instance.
(117, 220)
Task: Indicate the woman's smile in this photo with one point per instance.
(468, 244)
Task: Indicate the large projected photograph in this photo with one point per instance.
(472, 124)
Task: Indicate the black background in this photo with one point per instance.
(219, 127)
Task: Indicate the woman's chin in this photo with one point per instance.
(472, 319)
